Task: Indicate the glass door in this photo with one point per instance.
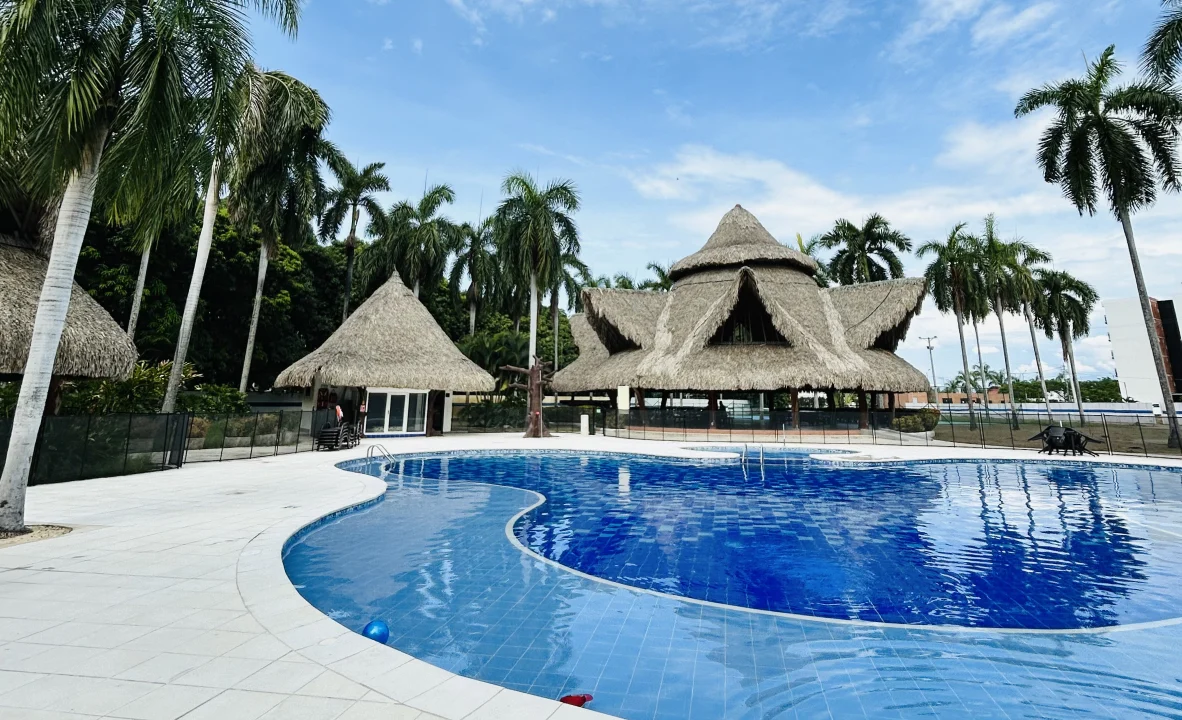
(397, 416)
(375, 414)
(416, 419)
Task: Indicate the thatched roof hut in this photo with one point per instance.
(745, 314)
(390, 341)
(93, 345)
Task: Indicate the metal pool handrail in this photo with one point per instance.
(372, 451)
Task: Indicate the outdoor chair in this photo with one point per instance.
(331, 437)
(1079, 442)
(1054, 440)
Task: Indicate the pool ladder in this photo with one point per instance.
(373, 451)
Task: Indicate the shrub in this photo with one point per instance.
(908, 424)
(199, 427)
(930, 417)
(214, 400)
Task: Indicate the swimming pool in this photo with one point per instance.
(787, 587)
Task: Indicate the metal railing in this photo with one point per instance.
(1115, 433)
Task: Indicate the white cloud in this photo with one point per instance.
(935, 17)
(416, 46)
(1000, 23)
(387, 44)
(999, 149)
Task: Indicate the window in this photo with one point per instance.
(391, 412)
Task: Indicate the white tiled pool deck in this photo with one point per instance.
(170, 600)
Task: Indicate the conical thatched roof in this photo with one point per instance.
(93, 345)
(390, 341)
(741, 239)
(841, 338)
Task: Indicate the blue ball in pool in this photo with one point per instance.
(377, 630)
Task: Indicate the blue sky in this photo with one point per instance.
(668, 112)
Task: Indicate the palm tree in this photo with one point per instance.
(1162, 54)
(355, 192)
(867, 253)
(953, 284)
(1064, 309)
(537, 230)
(811, 248)
(623, 281)
(477, 259)
(414, 238)
(567, 272)
(1122, 141)
(262, 106)
(661, 282)
(1004, 267)
(279, 192)
(1027, 293)
(88, 80)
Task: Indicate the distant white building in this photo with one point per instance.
(1131, 350)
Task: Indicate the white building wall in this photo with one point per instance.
(1135, 369)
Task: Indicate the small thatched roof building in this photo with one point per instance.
(390, 341)
(745, 314)
(92, 345)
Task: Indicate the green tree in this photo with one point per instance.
(566, 274)
(1004, 267)
(1064, 309)
(1122, 141)
(356, 191)
(414, 239)
(1162, 53)
(953, 284)
(536, 229)
(89, 80)
(812, 248)
(865, 254)
(261, 106)
(660, 282)
(476, 258)
(279, 191)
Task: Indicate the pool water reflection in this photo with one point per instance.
(1037, 546)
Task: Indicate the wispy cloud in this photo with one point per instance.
(416, 46)
(1001, 23)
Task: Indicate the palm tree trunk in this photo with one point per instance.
(254, 317)
(472, 317)
(1005, 351)
(350, 255)
(981, 370)
(1042, 378)
(1069, 356)
(140, 280)
(554, 319)
(204, 243)
(1151, 327)
(54, 302)
(533, 317)
(416, 289)
(964, 358)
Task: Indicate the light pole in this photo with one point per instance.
(932, 360)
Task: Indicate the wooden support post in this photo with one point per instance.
(712, 406)
(795, 408)
(863, 411)
(891, 405)
(638, 393)
(831, 398)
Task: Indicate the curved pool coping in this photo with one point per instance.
(277, 605)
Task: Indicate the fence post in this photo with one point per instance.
(1144, 449)
(225, 429)
(1107, 436)
(278, 432)
(127, 443)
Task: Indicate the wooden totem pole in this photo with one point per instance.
(537, 378)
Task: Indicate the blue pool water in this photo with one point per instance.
(692, 547)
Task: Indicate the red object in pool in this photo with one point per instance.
(576, 700)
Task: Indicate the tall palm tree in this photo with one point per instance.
(567, 272)
(1122, 141)
(622, 281)
(536, 229)
(1064, 309)
(279, 193)
(476, 258)
(865, 254)
(1028, 293)
(1004, 267)
(91, 80)
(812, 248)
(355, 191)
(661, 282)
(953, 284)
(261, 106)
(414, 239)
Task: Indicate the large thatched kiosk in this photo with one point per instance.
(389, 362)
(745, 314)
(92, 345)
